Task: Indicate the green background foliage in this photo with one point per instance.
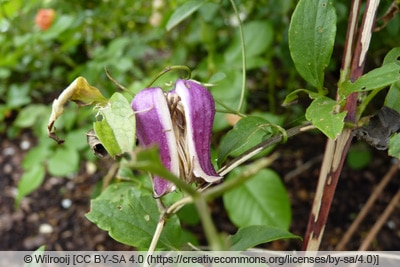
(135, 40)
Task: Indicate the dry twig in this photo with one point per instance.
(379, 223)
(367, 207)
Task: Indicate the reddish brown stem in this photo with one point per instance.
(328, 179)
(362, 45)
(336, 150)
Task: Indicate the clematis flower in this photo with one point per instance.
(180, 123)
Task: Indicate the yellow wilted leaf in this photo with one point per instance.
(79, 91)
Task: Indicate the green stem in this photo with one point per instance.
(243, 56)
(175, 180)
(174, 208)
(253, 168)
(210, 231)
(168, 69)
(120, 86)
(229, 110)
(263, 145)
(146, 163)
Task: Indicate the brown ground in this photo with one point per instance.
(70, 230)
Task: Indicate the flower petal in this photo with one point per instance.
(199, 107)
(154, 126)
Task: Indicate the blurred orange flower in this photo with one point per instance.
(44, 18)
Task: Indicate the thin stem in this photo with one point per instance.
(242, 43)
(157, 234)
(117, 83)
(378, 225)
(229, 110)
(143, 163)
(254, 168)
(178, 182)
(302, 168)
(168, 69)
(263, 145)
(210, 231)
(174, 208)
(364, 211)
(110, 175)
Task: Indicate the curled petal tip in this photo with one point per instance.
(199, 107)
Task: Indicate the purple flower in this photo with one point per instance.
(180, 123)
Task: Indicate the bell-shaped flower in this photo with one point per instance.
(180, 123)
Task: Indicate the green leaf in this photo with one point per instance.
(125, 173)
(37, 155)
(116, 131)
(392, 56)
(250, 236)
(394, 146)
(61, 24)
(392, 99)
(219, 76)
(18, 95)
(116, 48)
(30, 181)
(321, 113)
(64, 162)
(248, 132)
(30, 115)
(292, 96)
(358, 157)
(375, 79)
(258, 36)
(106, 136)
(312, 33)
(189, 215)
(131, 217)
(262, 200)
(183, 11)
(227, 93)
(77, 139)
(4, 73)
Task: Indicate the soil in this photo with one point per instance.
(54, 215)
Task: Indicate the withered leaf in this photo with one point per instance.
(388, 16)
(79, 91)
(380, 127)
(95, 144)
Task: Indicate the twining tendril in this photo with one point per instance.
(171, 68)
